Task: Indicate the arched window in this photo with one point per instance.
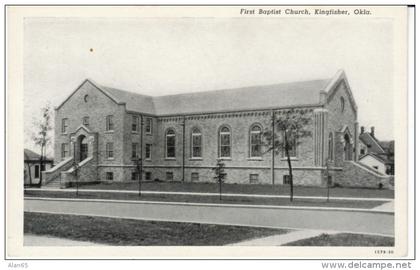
(196, 143)
(224, 142)
(342, 103)
(170, 143)
(255, 143)
(330, 147)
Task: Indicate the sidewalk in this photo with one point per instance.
(38, 240)
(389, 207)
(282, 239)
(208, 194)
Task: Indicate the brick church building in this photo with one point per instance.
(180, 137)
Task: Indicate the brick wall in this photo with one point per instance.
(97, 107)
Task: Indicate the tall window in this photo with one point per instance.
(134, 150)
(64, 125)
(135, 123)
(330, 146)
(64, 150)
(109, 123)
(148, 154)
(224, 142)
(196, 143)
(86, 121)
(255, 142)
(170, 143)
(149, 124)
(110, 150)
(292, 147)
(342, 104)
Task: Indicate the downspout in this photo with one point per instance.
(183, 149)
(272, 151)
(141, 145)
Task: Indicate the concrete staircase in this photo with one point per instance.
(52, 177)
(55, 183)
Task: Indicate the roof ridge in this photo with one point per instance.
(246, 87)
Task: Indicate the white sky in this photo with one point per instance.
(167, 56)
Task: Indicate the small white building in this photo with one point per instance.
(32, 167)
(374, 162)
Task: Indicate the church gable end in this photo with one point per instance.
(88, 93)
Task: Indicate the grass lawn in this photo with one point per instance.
(130, 232)
(206, 199)
(346, 239)
(245, 188)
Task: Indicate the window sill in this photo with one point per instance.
(225, 158)
(147, 159)
(148, 133)
(196, 158)
(255, 159)
(134, 132)
(170, 158)
(64, 134)
(110, 159)
(291, 158)
(109, 131)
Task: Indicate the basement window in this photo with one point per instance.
(109, 176)
(286, 179)
(195, 177)
(253, 178)
(169, 176)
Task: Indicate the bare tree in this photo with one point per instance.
(220, 175)
(290, 128)
(42, 137)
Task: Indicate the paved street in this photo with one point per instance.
(357, 221)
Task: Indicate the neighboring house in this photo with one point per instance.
(374, 161)
(180, 137)
(33, 168)
(375, 153)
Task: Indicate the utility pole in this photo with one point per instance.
(183, 149)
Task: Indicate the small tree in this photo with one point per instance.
(42, 137)
(139, 170)
(289, 128)
(76, 168)
(220, 175)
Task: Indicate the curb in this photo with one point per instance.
(218, 205)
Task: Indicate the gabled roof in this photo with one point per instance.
(246, 98)
(331, 88)
(31, 155)
(134, 102)
(292, 94)
(371, 142)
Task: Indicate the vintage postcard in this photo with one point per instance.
(240, 132)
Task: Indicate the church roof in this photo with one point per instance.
(134, 102)
(274, 96)
(245, 98)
